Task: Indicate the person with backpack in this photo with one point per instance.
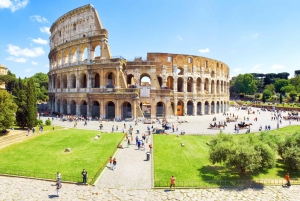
(58, 187)
(84, 176)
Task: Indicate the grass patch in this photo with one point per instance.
(191, 167)
(45, 153)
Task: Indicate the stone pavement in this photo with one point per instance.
(132, 171)
(196, 124)
(36, 190)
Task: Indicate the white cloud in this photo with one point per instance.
(204, 50)
(255, 35)
(45, 30)
(237, 70)
(179, 37)
(38, 18)
(40, 41)
(256, 68)
(28, 69)
(19, 60)
(13, 5)
(17, 51)
(34, 63)
(277, 66)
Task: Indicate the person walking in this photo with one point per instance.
(172, 182)
(287, 178)
(84, 176)
(114, 163)
(111, 163)
(128, 143)
(58, 176)
(58, 187)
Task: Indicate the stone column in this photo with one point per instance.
(89, 80)
(69, 57)
(194, 107)
(77, 80)
(153, 108)
(61, 82)
(55, 105)
(134, 109)
(209, 108)
(202, 86)
(102, 109)
(185, 107)
(102, 84)
(209, 86)
(184, 85)
(61, 106)
(78, 55)
(194, 86)
(89, 52)
(164, 80)
(118, 77)
(202, 108)
(118, 112)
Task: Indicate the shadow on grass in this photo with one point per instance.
(283, 169)
(219, 176)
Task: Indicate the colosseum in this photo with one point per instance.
(84, 78)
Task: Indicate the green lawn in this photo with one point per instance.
(190, 163)
(45, 153)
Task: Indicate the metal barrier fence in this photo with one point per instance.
(226, 183)
(39, 175)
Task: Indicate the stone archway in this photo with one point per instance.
(199, 107)
(212, 107)
(218, 107)
(110, 110)
(65, 107)
(206, 109)
(190, 108)
(83, 108)
(73, 107)
(96, 109)
(180, 108)
(126, 110)
(58, 106)
(160, 109)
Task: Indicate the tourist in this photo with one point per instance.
(150, 146)
(114, 163)
(28, 131)
(172, 182)
(287, 178)
(58, 187)
(58, 176)
(117, 127)
(111, 163)
(84, 176)
(128, 143)
(33, 130)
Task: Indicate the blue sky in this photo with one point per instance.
(249, 36)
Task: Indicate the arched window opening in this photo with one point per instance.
(180, 85)
(206, 107)
(97, 81)
(83, 108)
(170, 82)
(97, 52)
(73, 107)
(145, 80)
(130, 81)
(65, 82)
(189, 84)
(96, 109)
(126, 110)
(110, 110)
(160, 109)
(159, 79)
(110, 80)
(190, 108)
(199, 105)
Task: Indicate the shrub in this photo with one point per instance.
(40, 122)
(48, 122)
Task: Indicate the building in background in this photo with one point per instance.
(3, 71)
(84, 79)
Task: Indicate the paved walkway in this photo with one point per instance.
(133, 170)
(31, 190)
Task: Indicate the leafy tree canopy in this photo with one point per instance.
(279, 84)
(8, 110)
(244, 83)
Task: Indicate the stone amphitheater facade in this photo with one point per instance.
(86, 80)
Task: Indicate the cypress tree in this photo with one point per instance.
(31, 113)
(263, 98)
(19, 93)
(280, 98)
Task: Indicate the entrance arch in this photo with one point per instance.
(206, 107)
(110, 80)
(170, 82)
(199, 105)
(83, 108)
(180, 108)
(65, 106)
(58, 106)
(160, 109)
(96, 109)
(126, 110)
(218, 107)
(73, 107)
(222, 107)
(212, 107)
(180, 84)
(190, 108)
(110, 110)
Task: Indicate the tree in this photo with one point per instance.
(280, 99)
(247, 153)
(289, 150)
(8, 110)
(267, 94)
(287, 89)
(293, 95)
(20, 99)
(31, 104)
(245, 84)
(263, 98)
(270, 87)
(295, 81)
(279, 84)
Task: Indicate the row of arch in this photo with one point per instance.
(180, 84)
(126, 108)
(75, 54)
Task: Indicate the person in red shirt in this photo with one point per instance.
(287, 178)
(172, 182)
